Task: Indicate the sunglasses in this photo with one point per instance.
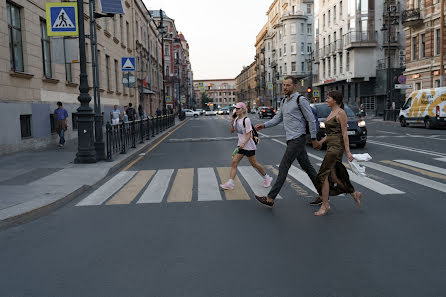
(237, 108)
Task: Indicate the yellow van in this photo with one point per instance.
(425, 107)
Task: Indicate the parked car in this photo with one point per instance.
(219, 111)
(254, 110)
(191, 113)
(225, 109)
(356, 127)
(201, 111)
(425, 107)
(210, 112)
(267, 112)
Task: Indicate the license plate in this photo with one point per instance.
(351, 132)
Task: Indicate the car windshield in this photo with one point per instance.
(323, 111)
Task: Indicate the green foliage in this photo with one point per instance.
(204, 99)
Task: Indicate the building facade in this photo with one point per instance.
(353, 49)
(221, 92)
(32, 81)
(422, 26)
(245, 85)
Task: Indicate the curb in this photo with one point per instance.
(45, 209)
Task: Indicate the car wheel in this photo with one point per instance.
(195, 115)
(360, 145)
(403, 122)
(428, 123)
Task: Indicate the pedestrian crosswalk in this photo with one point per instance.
(187, 185)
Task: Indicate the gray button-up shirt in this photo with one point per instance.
(293, 119)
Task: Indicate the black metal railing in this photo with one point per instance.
(410, 15)
(359, 37)
(120, 137)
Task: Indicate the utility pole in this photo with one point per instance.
(442, 44)
(85, 151)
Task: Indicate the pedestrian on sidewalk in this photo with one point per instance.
(125, 117)
(131, 112)
(158, 112)
(295, 112)
(246, 146)
(141, 114)
(333, 178)
(115, 115)
(61, 118)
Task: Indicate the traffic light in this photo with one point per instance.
(309, 90)
(209, 86)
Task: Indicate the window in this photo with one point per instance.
(329, 67)
(280, 70)
(127, 32)
(309, 48)
(284, 49)
(107, 72)
(280, 52)
(347, 62)
(418, 86)
(46, 54)
(99, 68)
(25, 125)
(437, 83)
(340, 64)
(116, 76)
(285, 29)
(437, 42)
(309, 29)
(423, 46)
(369, 102)
(105, 24)
(15, 37)
(334, 66)
(137, 31)
(334, 14)
(302, 47)
(269, 61)
(293, 48)
(166, 50)
(323, 69)
(114, 26)
(292, 29)
(414, 48)
(340, 9)
(309, 9)
(68, 68)
(285, 67)
(323, 21)
(302, 28)
(329, 17)
(74, 118)
(121, 25)
(293, 66)
(167, 71)
(302, 67)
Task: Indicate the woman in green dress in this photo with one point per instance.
(333, 178)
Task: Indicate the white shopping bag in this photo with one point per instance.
(362, 157)
(357, 168)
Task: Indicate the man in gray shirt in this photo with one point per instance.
(294, 120)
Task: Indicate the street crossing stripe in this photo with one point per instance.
(208, 188)
(181, 190)
(108, 189)
(372, 184)
(425, 172)
(293, 185)
(423, 166)
(129, 192)
(254, 180)
(408, 176)
(302, 177)
(441, 159)
(238, 193)
(157, 188)
(431, 153)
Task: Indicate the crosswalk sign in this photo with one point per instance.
(128, 63)
(62, 19)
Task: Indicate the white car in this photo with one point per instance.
(191, 113)
(210, 112)
(201, 111)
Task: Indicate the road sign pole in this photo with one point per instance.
(86, 152)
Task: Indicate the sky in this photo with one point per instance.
(221, 33)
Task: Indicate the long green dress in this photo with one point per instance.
(333, 160)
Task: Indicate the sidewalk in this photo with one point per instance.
(32, 183)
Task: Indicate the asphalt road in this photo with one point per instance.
(189, 239)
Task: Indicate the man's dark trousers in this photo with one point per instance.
(295, 150)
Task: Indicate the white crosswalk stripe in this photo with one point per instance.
(408, 176)
(441, 159)
(255, 181)
(157, 188)
(423, 166)
(108, 189)
(208, 188)
(300, 176)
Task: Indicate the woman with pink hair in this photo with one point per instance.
(246, 146)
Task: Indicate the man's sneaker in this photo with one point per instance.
(267, 181)
(227, 186)
(264, 200)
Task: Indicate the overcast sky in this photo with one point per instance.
(221, 33)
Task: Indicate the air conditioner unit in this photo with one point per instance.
(402, 52)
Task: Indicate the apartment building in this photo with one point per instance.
(353, 48)
(221, 92)
(421, 22)
(245, 85)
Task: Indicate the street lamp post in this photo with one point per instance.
(390, 10)
(86, 150)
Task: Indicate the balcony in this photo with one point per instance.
(358, 39)
(393, 39)
(339, 45)
(394, 64)
(412, 17)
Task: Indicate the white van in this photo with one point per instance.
(425, 107)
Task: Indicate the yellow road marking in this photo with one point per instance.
(238, 193)
(425, 172)
(149, 150)
(293, 185)
(135, 185)
(181, 190)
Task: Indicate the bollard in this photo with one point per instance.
(108, 139)
(123, 135)
(148, 128)
(141, 131)
(133, 133)
(153, 126)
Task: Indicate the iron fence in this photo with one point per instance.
(120, 137)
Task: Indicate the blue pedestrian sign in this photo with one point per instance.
(62, 19)
(128, 63)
